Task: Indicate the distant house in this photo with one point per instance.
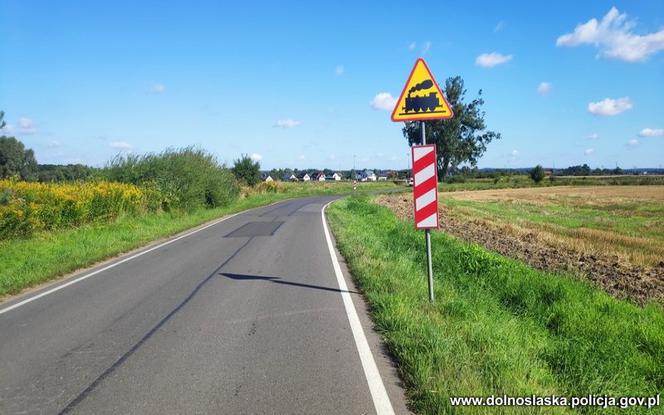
(269, 178)
(320, 177)
(291, 178)
(304, 177)
(367, 176)
(336, 177)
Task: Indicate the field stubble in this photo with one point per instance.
(611, 235)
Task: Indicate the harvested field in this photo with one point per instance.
(611, 235)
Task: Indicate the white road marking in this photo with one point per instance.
(376, 387)
(115, 264)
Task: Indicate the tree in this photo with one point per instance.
(537, 173)
(577, 171)
(247, 170)
(462, 138)
(2, 120)
(15, 160)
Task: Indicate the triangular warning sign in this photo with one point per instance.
(421, 98)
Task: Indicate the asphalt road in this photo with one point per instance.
(242, 317)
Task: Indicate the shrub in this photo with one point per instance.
(455, 179)
(186, 178)
(537, 173)
(247, 171)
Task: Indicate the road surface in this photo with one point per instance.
(245, 316)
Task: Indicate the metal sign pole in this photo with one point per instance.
(427, 235)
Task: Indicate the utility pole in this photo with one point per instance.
(408, 172)
(354, 171)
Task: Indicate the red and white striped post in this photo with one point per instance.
(425, 195)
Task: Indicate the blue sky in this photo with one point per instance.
(299, 84)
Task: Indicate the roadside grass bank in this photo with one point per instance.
(497, 326)
(25, 262)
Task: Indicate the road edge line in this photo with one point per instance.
(381, 400)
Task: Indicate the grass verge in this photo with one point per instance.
(47, 255)
(498, 326)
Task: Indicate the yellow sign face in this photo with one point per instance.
(421, 98)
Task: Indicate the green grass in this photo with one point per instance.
(47, 255)
(497, 326)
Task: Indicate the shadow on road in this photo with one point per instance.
(278, 280)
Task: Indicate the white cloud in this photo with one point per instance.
(301, 157)
(121, 145)
(427, 46)
(412, 46)
(589, 151)
(489, 60)
(544, 88)
(383, 101)
(256, 157)
(26, 126)
(610, 107)
(157, 89)
(500, 26)
(53, 144)
(593, 136)
(514, 153)
(652, 132)
(633, 142)
(287, 123)
(331, 157)
(339, 70)
(613, 37)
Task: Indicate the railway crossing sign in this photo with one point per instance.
(421, 98)
(425, 186)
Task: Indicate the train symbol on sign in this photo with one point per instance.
(421, 99)
(426, 103)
